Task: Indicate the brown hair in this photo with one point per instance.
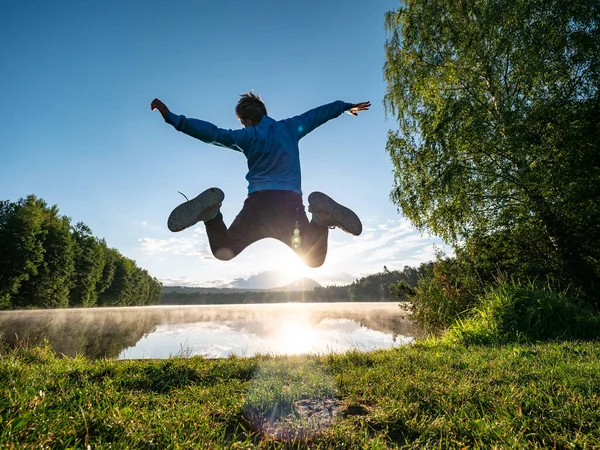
(250, 107)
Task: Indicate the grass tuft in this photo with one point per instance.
(510, 312)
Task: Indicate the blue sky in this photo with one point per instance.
(76, 127)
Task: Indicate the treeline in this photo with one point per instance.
(372, 288)
(45, 262)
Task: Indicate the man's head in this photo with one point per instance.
(250, 109)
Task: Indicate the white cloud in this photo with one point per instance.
(185, 281)
(188, 246)
(394, 241)
(334, 279)
(194, 244)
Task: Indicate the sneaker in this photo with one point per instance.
(328, 213)
(202, 208)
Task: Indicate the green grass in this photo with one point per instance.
(510, 312)
(429, 395)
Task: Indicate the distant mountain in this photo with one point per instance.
(301, 285)
(263, 280)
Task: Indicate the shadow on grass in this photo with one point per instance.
(162, 376)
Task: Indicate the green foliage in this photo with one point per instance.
(445, 290)
(497, 106)
(46, 263)
(110, 256)
(522, 252)
(89, 266)
(119, 292)
(49, 287)
(376, 287)
(509, 312)
(21, 248)
(469, 294)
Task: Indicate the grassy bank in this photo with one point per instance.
(429, 394)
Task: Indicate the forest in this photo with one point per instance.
(47, 262)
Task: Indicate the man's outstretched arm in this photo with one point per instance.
(202, 130)
(307, 122)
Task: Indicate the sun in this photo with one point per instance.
(291, 267)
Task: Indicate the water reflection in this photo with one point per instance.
(213, 331)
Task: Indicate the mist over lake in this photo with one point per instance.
(212, 330)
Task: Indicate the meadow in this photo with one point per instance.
(430, 394)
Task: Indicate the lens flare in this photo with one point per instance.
(296, 337)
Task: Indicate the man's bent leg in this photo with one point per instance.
(227, 243)
(313, 250)
(218, 238)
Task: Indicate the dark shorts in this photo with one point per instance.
(269, 214)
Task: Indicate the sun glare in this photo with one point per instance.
(291, 267)
(296, 337)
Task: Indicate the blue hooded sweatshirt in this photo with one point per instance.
(271, 147)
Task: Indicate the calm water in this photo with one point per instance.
(213, 331)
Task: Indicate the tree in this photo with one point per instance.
(498, 105)
(121, 289)
(155, 292)
(109, 257)
(21, 246)
(46, 263)
(49, 287)
(89, 265)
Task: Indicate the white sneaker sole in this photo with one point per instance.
(344, 218)
(193, 211)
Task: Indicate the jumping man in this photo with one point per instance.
(274, 205)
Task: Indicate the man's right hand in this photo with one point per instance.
(162, 108)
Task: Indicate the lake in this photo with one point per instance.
(213, 331)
